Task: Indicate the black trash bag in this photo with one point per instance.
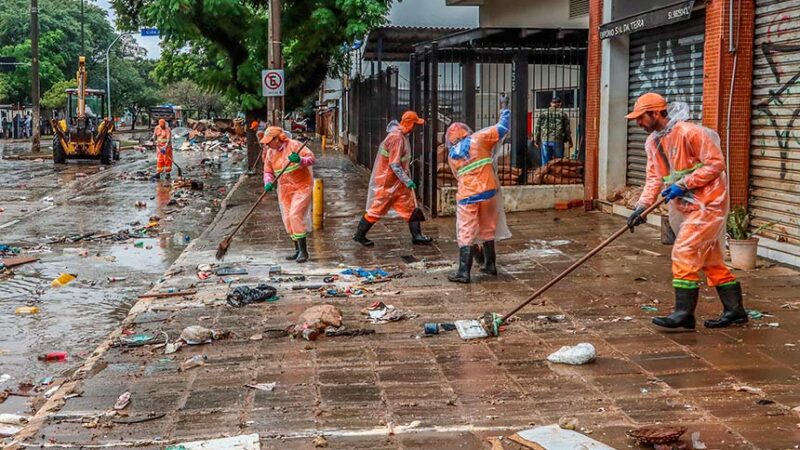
(244, 295)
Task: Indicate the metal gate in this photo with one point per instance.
(775, 122)
(667, 60)
(375, 101)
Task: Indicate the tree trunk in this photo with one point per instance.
(253, 147)
(134, 116)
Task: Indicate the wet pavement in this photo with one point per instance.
(43, 203)
(399, 389)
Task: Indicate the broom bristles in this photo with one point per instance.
(222, 248)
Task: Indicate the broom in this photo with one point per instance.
(223, 246)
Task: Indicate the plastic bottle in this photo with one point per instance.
(194, 361)
(54, 356)
(27, 310)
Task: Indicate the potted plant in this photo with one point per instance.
(741, 241)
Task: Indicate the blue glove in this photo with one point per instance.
(163, 151)
(268, 187)
(294, 158)
(674, 191)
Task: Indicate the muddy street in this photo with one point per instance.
(110, 227)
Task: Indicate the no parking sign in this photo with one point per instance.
(272, 82)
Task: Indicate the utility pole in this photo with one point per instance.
(108, 76)
(275, 104)
(83, 46)
(35, 75)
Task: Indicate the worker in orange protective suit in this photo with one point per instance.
(480, 217)
(162, 136)
(685, 163)
(283, 155)
(391, 190)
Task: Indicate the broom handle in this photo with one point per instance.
(261, 197)
(577, 264)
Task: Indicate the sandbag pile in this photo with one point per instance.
(558, 171)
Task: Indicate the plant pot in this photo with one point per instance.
(743, 253)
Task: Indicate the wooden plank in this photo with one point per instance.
(169, 294)
(19, 260)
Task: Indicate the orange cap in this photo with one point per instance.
(254, 125)
(409, 119)
(273, 132)
(456, 132)
(649, 101)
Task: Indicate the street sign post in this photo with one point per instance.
(272, 83)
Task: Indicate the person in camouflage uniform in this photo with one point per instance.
(553, 125)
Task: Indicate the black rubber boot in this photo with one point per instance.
(464, 265)
(361, 232)
(733, 311)
(683, 316)
(293, 256)
(169, 175)
(302, 254)
(155, 177)
(490, 257)
(477, 253)
(417, 238)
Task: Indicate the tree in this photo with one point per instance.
(132, 87)
(188, 94)
(56, 96)
(227, 40)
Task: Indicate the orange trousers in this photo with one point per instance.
(295, 201)
(164, 161)
(402, 201)
(697, 247)
(477, 222)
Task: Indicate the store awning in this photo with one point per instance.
(674, 13)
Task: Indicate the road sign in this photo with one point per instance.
(150, 32)
(272, 83)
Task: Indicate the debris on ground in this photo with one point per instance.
(136, 340)
(320, 442)
(568, 423)
(53, 356)
(580, 354)
(266, 387)
(470, 329)
(553, 437)
(11, 424)
(243, 442)
(194, 361)
(245, 295)
(63, 279)
(26, 310)
(649, 308)
(343, 292)
(379, 312)
(748, 389)
(223, 271)
(196, 335)
(359, 272)
(315, 320)
(697, 444)
(656, 434)
(123, 401)
(344, 331)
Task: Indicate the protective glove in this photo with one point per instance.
(163, 150)
(674, 191)
(268, 187)
(411, 185)
(294, 158)
(636, 218)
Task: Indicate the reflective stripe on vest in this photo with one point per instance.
(474, 165)
(678, 175)
(385, 153)
(291, 168)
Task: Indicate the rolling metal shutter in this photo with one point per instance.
(667, 60)
(775, 132)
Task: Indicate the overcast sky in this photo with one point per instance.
(406, 12)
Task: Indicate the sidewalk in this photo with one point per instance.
(394, 389)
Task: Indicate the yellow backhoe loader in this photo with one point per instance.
(85, 133)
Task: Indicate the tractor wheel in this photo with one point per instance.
(59, 155)
(107, 152)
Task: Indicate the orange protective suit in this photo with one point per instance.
(295, 187)
(163, 138)
(388, 193)
(692, 158)
(480, 216)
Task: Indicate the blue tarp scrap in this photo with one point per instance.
(366, 273)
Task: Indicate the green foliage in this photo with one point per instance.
(222, 44)
(188, 94)
(56, 96)
(738, 225)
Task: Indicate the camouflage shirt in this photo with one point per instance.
(552, 125)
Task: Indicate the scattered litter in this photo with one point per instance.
(748, 389)
(555, 318)
(245, 295)
(243, 442)
(344, 331)
(431, 328)
(657, 434)
(140, 204)
(195, 335)
(796, 411)
(580, 354)
(649, 308)
(553, 437)
(137, 340)
(755, 314)
(231, 271)
(115, 279)
(13, 419)
(320, 442)
(194, 361)
(123, 401)
(697, 444)
(53, 356)
(315, 320)
(366, 273)
(470, 329)
(568, 423)
(448, 326)
(266, 387)
(256, 337)
(63, 279)
(4, 377)
(764, 402)
(344, 292)
(378, 312)
(773, 324)
(172, 347)
(23, 310)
